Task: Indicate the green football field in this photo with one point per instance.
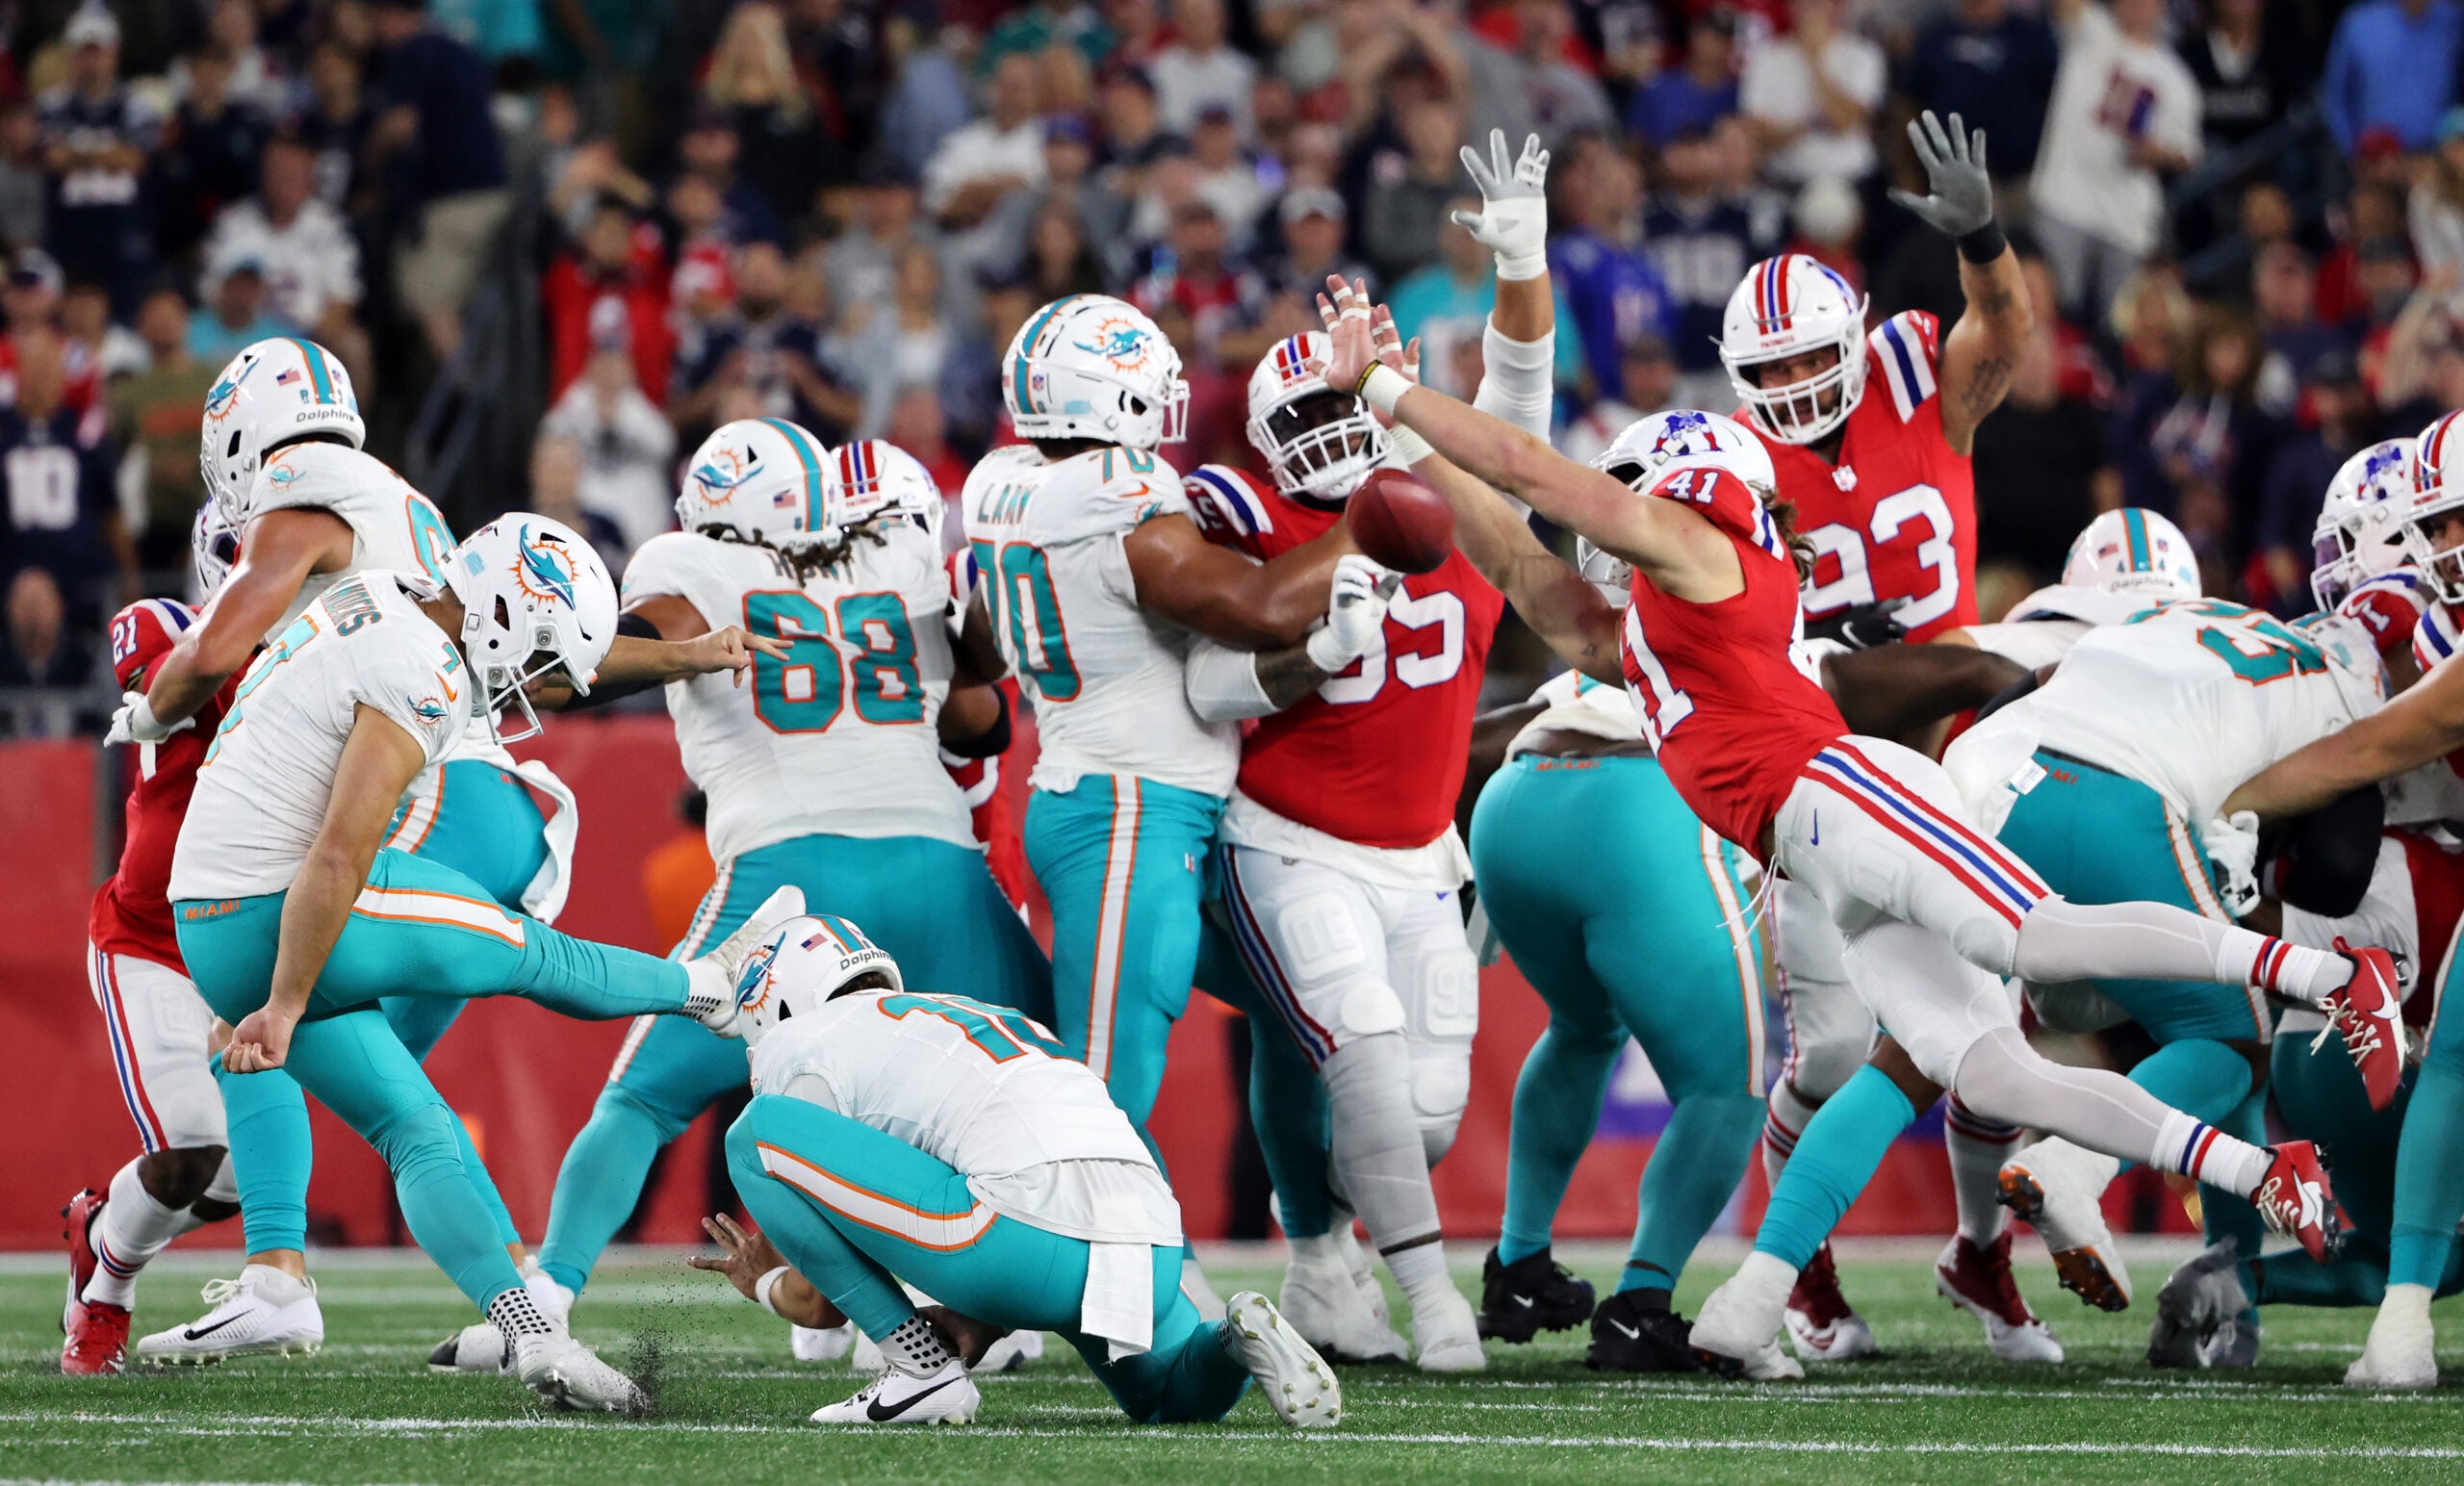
(732, 1403)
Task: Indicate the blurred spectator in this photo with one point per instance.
(2391, 65)
(336, 125)
(30, 299)
(2123, 110)
(1408, 192)
(1195, 277)
(2191, 442)
(2434, 211)
(1811, 95)
(558, 479)
(982, 162)
(927, 100)
(1993, 65)
(1829, 219)
(106, 351)
(310, 258)
(1226, 180)
(43, 650)
(1446, 305)
(909, 342)
(1059, 261)
(1199, 69)
(97, 136)
(1649, 382)
(753, 83)
(1701, 239)
(209, 155)
(1614, 293)
(2283, 292)
(63, 514)
(611, 294)
(766, 350)
(1134, 133)
(437, 137)
(2041, 468)
(23, 185)
(1692, 95)
(1072, 185)
(154, 418)
(1558, 97)
(711, 150)
(2416, 368)
(917, 425)
(1312, 217)
(236, 314)
(627, 447)
(862, 262)
(2342, 420)
(249, 78)
(2250, 70)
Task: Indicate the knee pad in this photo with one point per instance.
(2075, 1007)
(1988, 942)
(1441, 1087)
(1366, 1008)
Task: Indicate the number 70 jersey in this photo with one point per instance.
(840, 738)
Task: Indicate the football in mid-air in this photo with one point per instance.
(1399, 522)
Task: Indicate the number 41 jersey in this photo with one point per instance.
(1896, 517)
(839, 738)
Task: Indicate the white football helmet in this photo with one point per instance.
(2133, 552)
(2360, 532)
(214, 549)
(1093, 367)
(759, 480)
(873, 479)
(273, 392)
(1612, 574)
(1789, 306)
(535, 599)
(2438, 491)
(806, 964)
(1686, 438)
(1319, 443)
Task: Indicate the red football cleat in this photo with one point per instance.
(78, 1224)
(97, 1344)
(1821, 1323)
(2369, 1012)
(2296, 1200)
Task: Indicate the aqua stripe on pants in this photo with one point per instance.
(857, 1210)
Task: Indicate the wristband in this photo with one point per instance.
(1325, 652)
(1985, 244)
(763, 1288)
(1521, 268)
(1382, 386)
(1406, 447)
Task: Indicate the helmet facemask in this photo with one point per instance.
(1812, 407)
(2434, 535)
(1321, 444)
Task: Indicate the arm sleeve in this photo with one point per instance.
(1516, 380)
(1224, 684)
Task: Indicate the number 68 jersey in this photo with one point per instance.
(840, 738)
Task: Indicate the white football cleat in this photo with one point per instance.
(2058, 1188)
(2403, 1348)
(1297, 1382)
(570, 1376)
(1446, 1334)
(2198, 1300)
(824, 1345)
(1364, 1272)
(264, 1313)
(1322, 1300)
(478, 1349)
(1978, 1280)
(1011, 1353)
(711, 1000)
(944, 1396)
(1736, 1333)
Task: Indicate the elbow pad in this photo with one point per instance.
(2321, 862)
(1518, 380)
(993, 741)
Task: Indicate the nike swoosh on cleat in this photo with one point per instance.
(1521, 1300)
(1630, 1333)
(195, 1335)
(881, 1416)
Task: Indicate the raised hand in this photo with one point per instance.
(1962, 199)
(1513, 219)
(1353, 345)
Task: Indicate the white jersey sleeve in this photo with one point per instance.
(1106, 676)
(262, 792)
(1572, 701)
(841, 738)
(394, 527)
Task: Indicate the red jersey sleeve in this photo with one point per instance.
(2390, 606)
(1905, 354)
(143, 634)
(1232, 511)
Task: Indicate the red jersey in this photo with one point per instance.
(1725, 690)
(1375, 755)
(2390, 606)
(132, 912)
(1896, 517)
(2438, 903)
(991, 811)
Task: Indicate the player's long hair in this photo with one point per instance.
(817, 557)
(1783, 517)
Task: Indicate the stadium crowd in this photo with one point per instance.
(2250, 213)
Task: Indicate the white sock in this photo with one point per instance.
(2298, 974)
(1785, 1121)
(915, 1349)
(1977, 1147)
(130, 1231)
(2061, 941)
(1421, 1272)
(277, 1287)
(2208, 1155)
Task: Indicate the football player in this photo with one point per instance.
(1342, 863)
(895, 1135)
(1885, 497)
(824, 773)
(296, 920)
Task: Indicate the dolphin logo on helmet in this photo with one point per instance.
(545, 572)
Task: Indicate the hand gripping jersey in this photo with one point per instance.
(1375, 755)
(1896, 517)
(1105, 674)
(1727, 694)
(261, 792)
(132, 912)
(2041, 628)
(2194, 696)
(1572, 701)
(983, 1088)
(2392, 607)
(839, 738)
(392, 526)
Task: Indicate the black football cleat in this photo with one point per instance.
(1534, 1293)
(1626, 1337)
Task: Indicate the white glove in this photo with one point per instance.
(134, 722)
(1513, 219)
(2233, 845)
(1356, 610)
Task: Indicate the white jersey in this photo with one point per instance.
(2190, 701)
(841, 738)
(392, 526)
(986, 1092)
(261, 792)
(1106, 676)
(1572, 701)
(2041, 628)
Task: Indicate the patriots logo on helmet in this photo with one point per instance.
(1685, 433)
(545, 570)
(724, 470)
(1117, 341)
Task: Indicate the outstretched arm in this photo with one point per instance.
(1981, 353)
(1215, 592)
(1519, 348)
(2424, 723)
(280, 551)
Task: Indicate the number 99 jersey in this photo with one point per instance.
(1896, 517)
(840, 738)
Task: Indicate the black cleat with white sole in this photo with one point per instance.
(1534, 1293)
(1628, 1337)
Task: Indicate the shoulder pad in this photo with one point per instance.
(1905, 345)
(145, 632)
(1228, 506)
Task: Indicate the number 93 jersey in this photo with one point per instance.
(2192, 697)
(392, 526)
(1896, 517)
(839, 738)
(1107, 676)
